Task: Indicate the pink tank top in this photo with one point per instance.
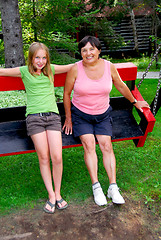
(92, 96)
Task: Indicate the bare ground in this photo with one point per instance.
(131, 221)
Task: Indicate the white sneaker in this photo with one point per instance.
(99, 196)
(113, 192)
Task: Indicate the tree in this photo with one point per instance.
(12, 33)
(131, 5)
(56, 23)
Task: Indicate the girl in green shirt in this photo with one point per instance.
(43, 120)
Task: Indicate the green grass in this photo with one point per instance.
(138, 174)
(141, 62)
(138, 169)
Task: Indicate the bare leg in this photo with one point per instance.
(91, 161)
(109, 160)
(55, 147)
(90, 157)
(41, 146)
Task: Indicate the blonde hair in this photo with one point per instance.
(34, 47)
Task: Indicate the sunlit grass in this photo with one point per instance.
(141, 62)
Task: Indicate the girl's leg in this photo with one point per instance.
(41, 146)
(55, 148)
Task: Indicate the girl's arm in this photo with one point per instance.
(10, 72)
(62, 68)
(124, 90)
(69, 84)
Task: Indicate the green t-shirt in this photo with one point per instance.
(40, 92)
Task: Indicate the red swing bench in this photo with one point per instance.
(13, 136)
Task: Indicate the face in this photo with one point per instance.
(89, 53)
(39, 60)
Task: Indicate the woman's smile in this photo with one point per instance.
(90, 53)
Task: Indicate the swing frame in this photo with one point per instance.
(13, 135)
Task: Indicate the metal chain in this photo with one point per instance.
(157, 93)
(146, 71)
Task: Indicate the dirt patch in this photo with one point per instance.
(131, 221)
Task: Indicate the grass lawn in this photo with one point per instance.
(138, 169)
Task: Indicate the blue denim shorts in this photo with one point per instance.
(91, 124)
(37, 123)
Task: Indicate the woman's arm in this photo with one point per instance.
(69, 84)
(10, 72)
(62, 68)
(124, 90)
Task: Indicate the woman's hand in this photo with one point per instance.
(141, 104)
(67, 128)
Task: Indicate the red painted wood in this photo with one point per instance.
(59, 79)
(149, 117)
(16, 153)
(11, 83)
(127, 71)
(147, 113)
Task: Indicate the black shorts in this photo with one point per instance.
(84, 123)
(36, 123)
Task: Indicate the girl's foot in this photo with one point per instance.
(49, 207)
(61, 204)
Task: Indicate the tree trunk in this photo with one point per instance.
(134, 31)
(132, 15)
(12, 33)
(34, 24)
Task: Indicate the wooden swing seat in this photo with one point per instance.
(13, 136)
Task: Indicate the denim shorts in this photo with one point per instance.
(37, 123)
(91, 124)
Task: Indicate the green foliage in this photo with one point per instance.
(60, 41)
(45, 20)
(2, 57)
(141, 62)
(12, 98)
(57, 22)
(61, 58)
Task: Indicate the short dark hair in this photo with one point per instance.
(92, 40)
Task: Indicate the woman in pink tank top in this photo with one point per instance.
(88, 116)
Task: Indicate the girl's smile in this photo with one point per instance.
(39, 60)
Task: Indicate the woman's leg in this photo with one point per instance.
(90, 157)
(109, 160)
(55, 148)
(41, 146)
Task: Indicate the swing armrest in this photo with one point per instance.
(147, 119)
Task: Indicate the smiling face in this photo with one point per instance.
(39, 60)
(89, 53)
